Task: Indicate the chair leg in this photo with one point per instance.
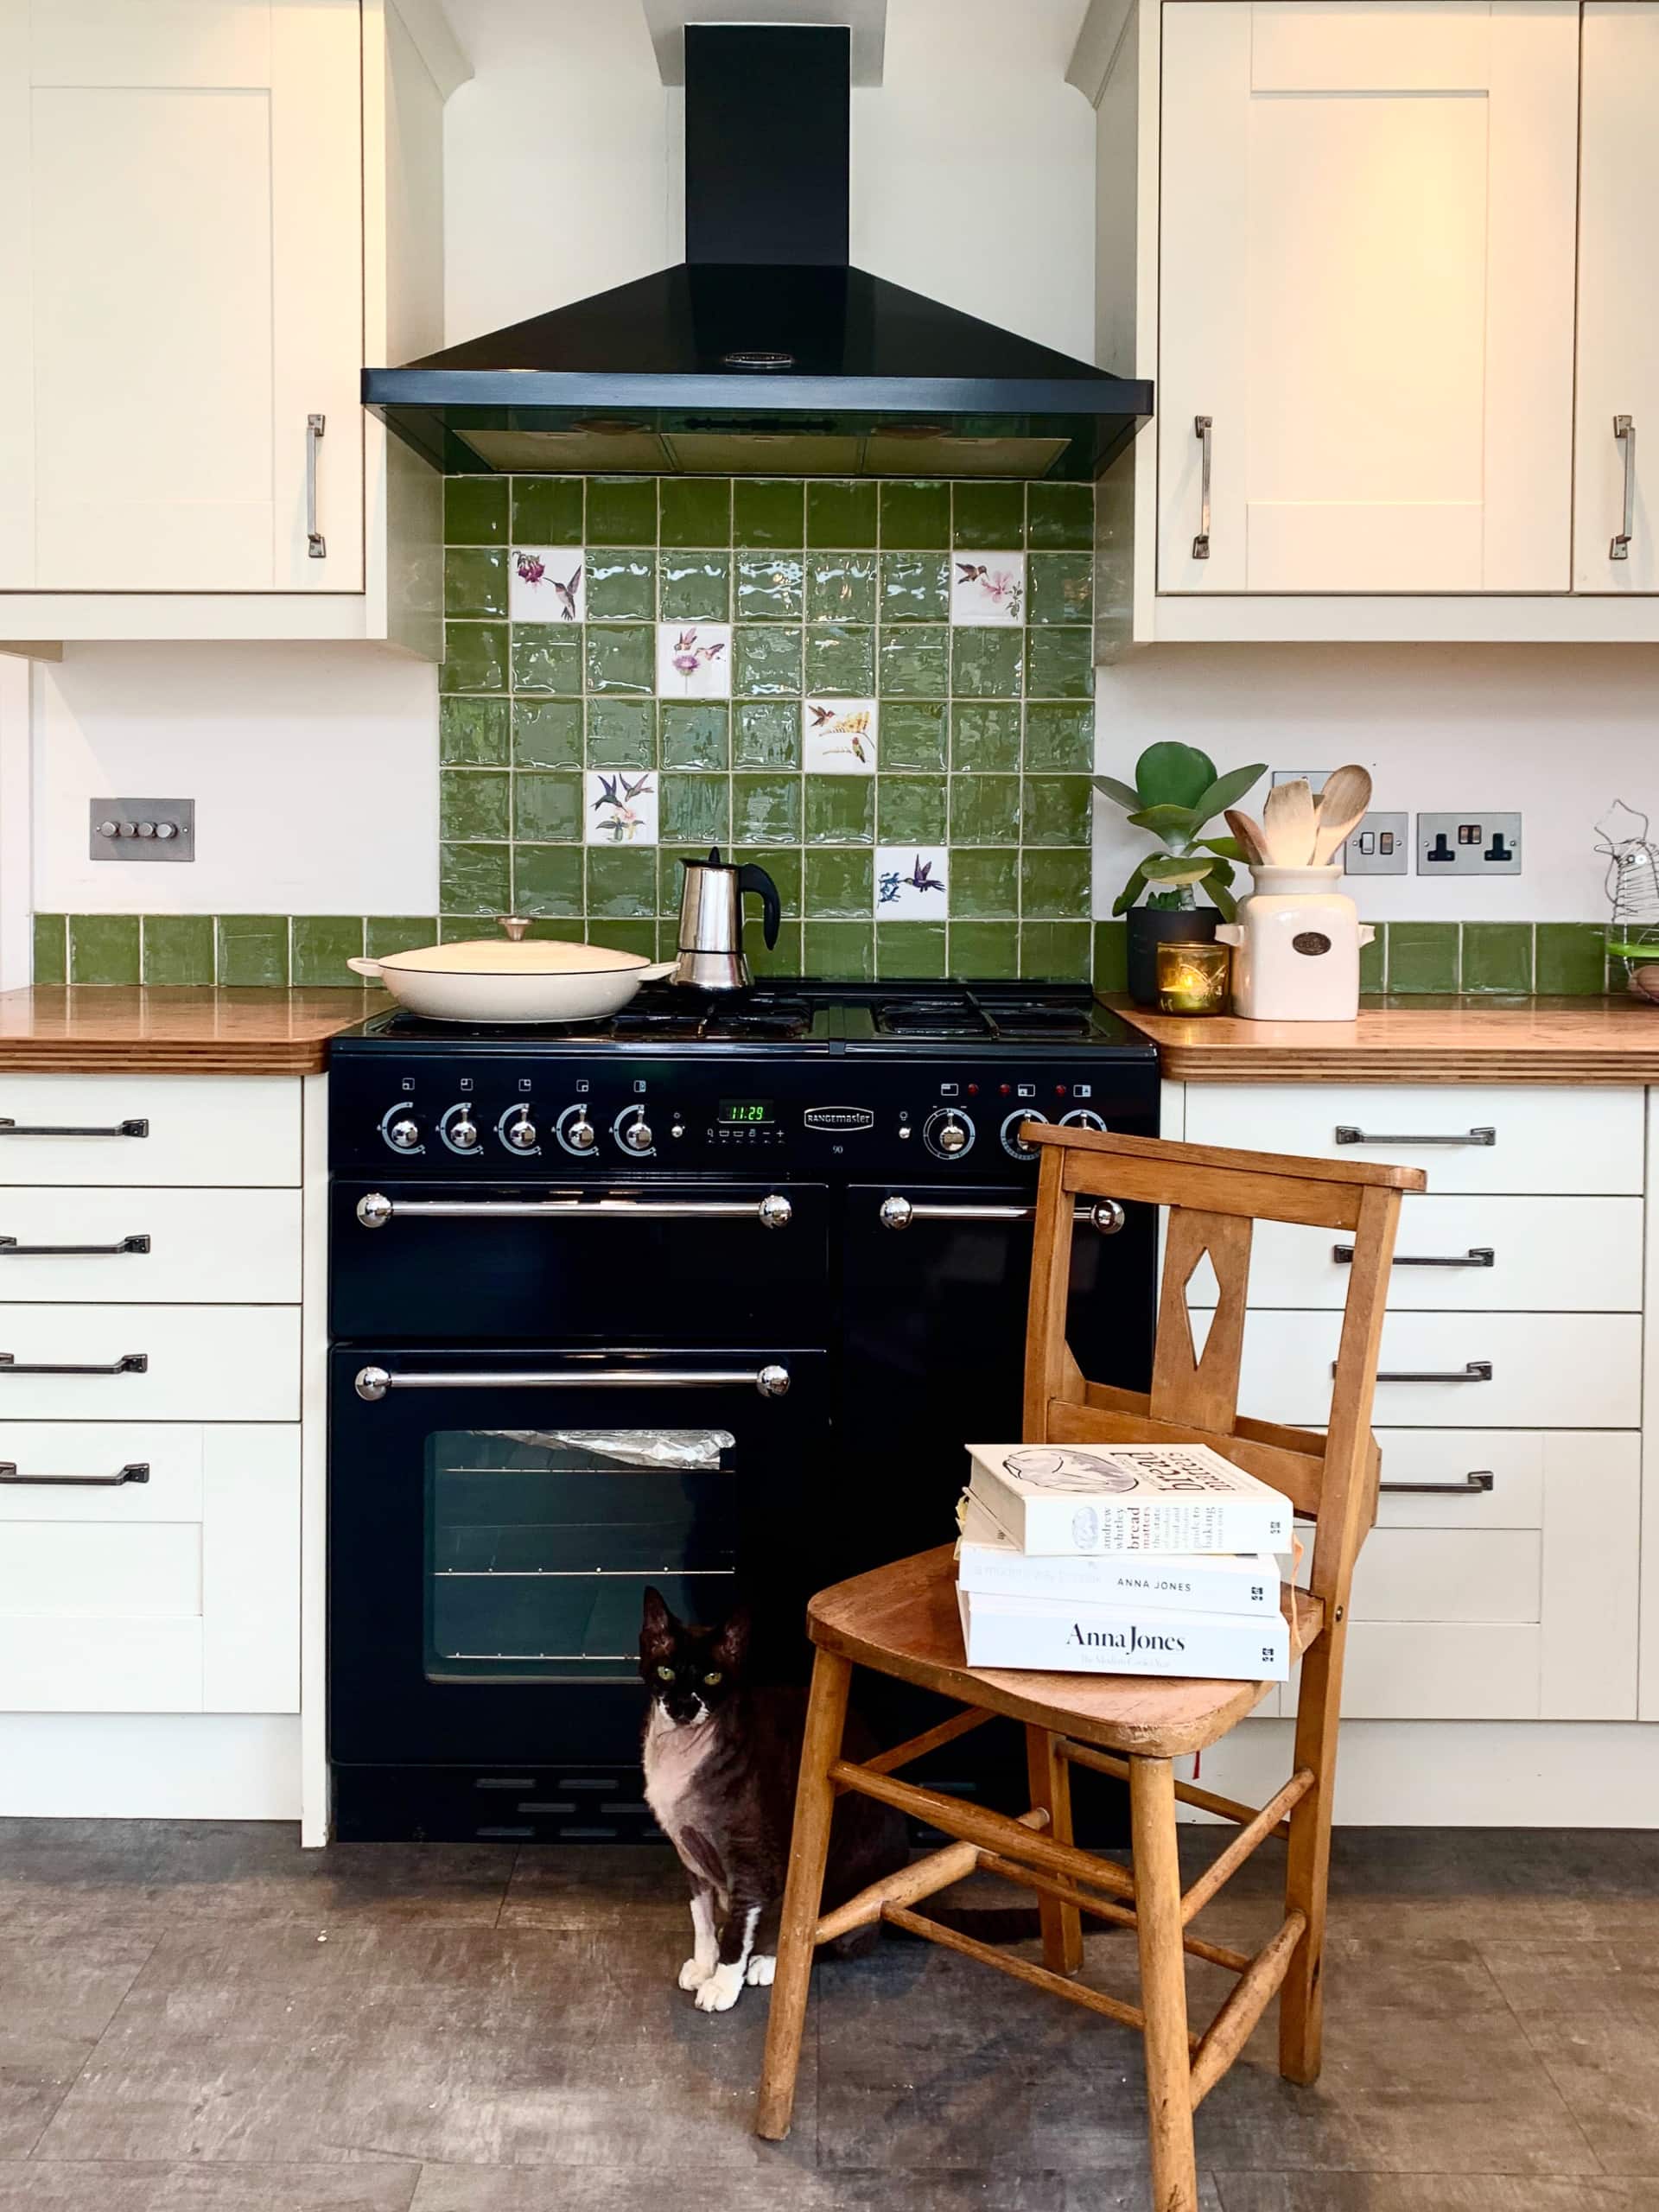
(1307, 1869)
(1163, 1985)
(815, 1805)
(1050, 1781)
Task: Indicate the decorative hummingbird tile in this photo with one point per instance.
(911, 883)
(988, 589)
(621, 806)
(694, 660)
(838, 736)
(546, 583)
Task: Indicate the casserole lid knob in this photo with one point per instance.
(515, 926)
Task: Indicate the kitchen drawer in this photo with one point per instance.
(1441, 1670)
(1548, 1371)
(1547, 1255)
(196, 1130)
(220, 1247)
(1449, 1574)
(1558, 1142)
(174, 1453)
(203, 1363)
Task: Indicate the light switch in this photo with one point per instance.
(143, 829)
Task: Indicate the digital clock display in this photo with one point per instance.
(745, 1111)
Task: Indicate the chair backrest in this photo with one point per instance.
(1215, 1198)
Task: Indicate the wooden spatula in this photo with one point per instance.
(1342, 804)
(1290, 823)
(1249, 833)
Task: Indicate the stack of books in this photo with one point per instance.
(1121, 1559)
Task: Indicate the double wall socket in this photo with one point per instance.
(143, 829)
(1469, 844)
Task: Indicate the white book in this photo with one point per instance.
(1126, 1498)
(988, 1560)
(1062, 1639)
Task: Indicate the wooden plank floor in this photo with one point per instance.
(203, 2019)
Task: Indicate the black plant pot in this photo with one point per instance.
(1151, 926)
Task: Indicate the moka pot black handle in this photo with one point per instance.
(750, 877)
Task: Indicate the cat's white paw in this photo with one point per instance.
(762, 1966)
(695, 1973)
(721, 1990)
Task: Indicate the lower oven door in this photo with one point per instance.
(495, 1518)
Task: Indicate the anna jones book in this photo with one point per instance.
(990, 1563)
(1047, 1633)
(1126, 1498)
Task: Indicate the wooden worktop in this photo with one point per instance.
(97, 1029)
(1601, 1040)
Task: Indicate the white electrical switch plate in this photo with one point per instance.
(1469, 844)
(143, 829)
(1379, 844)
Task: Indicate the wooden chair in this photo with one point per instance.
(902, 1620)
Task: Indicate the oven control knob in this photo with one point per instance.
(1081, 1117)
(637, 1136)
(949, 1133)
(459, 1130)
(632, 1130)
(517, 1131)
(401, 1130)
(1012, 1141)
(576, 1131)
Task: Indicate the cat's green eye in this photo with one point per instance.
(664, 1674)
(710, 1680)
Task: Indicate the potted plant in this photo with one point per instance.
(1175, 794)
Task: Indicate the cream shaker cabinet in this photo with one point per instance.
(1366, 296)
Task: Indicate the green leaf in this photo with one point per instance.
(1167, 822)
(1175, 867)
(1130, 893)
(1217, 881)
(1123, 794)
(1227, 790)
(1173, 774)
(1228, 847)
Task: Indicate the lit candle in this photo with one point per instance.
(1192, 978)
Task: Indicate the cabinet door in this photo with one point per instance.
(1618, 297)
(180, 285)
(1366, 284)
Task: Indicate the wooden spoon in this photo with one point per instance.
(1290, 821)
(1249, 834)
(1344, 801)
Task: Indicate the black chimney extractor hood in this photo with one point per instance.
(764, 353)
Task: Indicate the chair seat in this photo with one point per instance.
(902, 1620)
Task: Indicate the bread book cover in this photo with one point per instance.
(1126, 1498)
(1067, 1639)
(989, 1560)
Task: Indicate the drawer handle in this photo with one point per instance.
(1473, 1370)
(136, 1470)
(1478, 1479)
(1203, 427)
(1346, 1134)
(11, 1128)
(1624, 431)
(130, 1363)
(1477, 1255)
(316, 545)
(11, 1249)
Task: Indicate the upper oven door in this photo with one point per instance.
(677, 1260)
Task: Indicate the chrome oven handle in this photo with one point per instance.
(11, 1249)
(375, 1209)
(1346, 1134)
(1102, 1214)
(1202, 431)
(1477, 1255)
(1478, 1479)
(130, 1363)
(136, 1470)
(11, 1128)
(1624, 431)
(372, 1383)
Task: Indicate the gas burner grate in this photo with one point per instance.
(768, 1018)
(980, 1015)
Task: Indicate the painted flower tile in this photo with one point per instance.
(988, 588)
(838, 736)
(694, 660)
(621, 808)
(911, 883)
(546, 583)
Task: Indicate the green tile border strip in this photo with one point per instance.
(1485, 959)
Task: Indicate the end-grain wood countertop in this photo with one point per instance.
(113, 1029)
(1567, 1040)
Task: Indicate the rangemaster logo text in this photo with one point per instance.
(839, 1117)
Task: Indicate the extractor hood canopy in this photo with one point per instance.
(764, 352)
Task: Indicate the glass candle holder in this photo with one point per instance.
(1192, 978)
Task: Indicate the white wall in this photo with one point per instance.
(1553, 732)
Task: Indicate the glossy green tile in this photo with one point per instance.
(1059, 739)
(840, 882)
(695, 810)
(104, 949)
(547, 510)
(765, 808)
(1059, 662)
(384, 933)
(767, 660)
(912, 735)
(840, 512)
(1055, 952)
(474, 879)
(1060, 514)
(841, 586)
(474, 657)
(984, 736)
(988, 514)
(909, 949)
(987, 663)
(474, 581)
(984, 949)
(51, 949)
(546, 733)
(766, 733)
(1112, 950)
(696, 587)
(985, 884)
(547, 880)
(622, 734)
(1054, 886)
(984, 810)
(474, 733)
(640, 937)
(253, 950)
(840, 661)
(768, 510)
(622, 657)
(1374, 961)
(322, 944)
(915, 513)
(1057, 810)
(843, 951)
(177, 949)
(914, 664)
(474, 805)
(1422, 956)
(784, 958)
(547, 808)
(621, 511)
(475, 510)
(1062, 588)
(621, 881)
(621, 585)
(1497, 958)
(840, 809)
(1568, 956)
(694, 733)
(695, 510)
(910, 809)
(547, 656)
(782, 863)
(915, 588)
(769, 586)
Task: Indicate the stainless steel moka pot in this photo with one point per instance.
(711, 922)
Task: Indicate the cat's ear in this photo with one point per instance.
(731, 1646)
(658, 1621)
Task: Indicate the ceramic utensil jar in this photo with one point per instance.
(1296, 947)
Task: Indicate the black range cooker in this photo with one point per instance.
(707, 1295)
